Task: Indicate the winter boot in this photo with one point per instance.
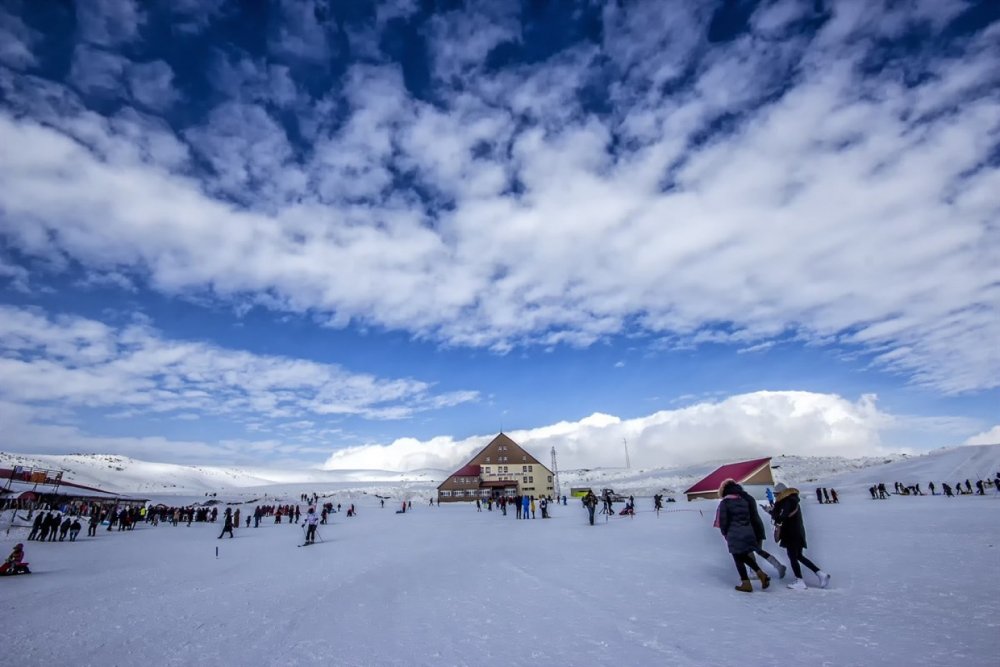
(824, 579)
(745, 586)
(765, 580)
(797, 585)
(777, 566)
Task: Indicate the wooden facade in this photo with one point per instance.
(501, 468)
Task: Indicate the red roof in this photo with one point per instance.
(468, 471)
(738, 471)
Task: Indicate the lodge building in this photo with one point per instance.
(501, 468)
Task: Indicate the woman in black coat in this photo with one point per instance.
(735, 519)
(790, 533)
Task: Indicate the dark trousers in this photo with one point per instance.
(310, 533)
(590, 511)
(795, 557)
(227, 529)
(742, 560)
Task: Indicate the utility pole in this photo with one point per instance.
(555, 473)
(628, 464)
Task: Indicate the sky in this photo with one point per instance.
(375, 235)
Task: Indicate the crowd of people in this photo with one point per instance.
(525, 506)
(879, 491)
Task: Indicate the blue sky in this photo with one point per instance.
(370, 235)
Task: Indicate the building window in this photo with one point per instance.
(531, 479)
(505, 468)
(524, 468)
(550, 479)
(531, 468)
(446, 494)
(525, 479)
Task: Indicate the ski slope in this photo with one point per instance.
(914, 582)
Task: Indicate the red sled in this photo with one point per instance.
(8, 570)
(628, 511)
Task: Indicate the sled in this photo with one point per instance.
(7, 571)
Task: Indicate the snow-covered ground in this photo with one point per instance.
(915, 582)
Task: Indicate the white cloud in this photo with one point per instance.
(988, 437)
(73, 362)
(152, 84)
(507, 213)
(109, 22)
(97, 72)
(765, 423)
(16, 41)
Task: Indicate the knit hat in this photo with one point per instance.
(779, 487)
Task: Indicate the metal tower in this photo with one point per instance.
(555, 473)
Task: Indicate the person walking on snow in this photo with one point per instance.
(759, 533)
(311, 521)
(590, 502)
(227, 527)
(790, 533)
(734, 518)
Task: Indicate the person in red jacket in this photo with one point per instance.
(15, 562)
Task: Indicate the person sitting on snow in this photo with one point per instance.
(15, 562)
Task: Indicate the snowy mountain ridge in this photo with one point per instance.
(127, 475)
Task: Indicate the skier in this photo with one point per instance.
(979, 488)
(947, 490)
(819, 495)
(826, 496)
(590, 502)
(15, 562)
(931, 487)
(311, 521)
(479, 507)
(95, 518)
(791, 534)
(833, 496)
(734, 518)
(227, 527)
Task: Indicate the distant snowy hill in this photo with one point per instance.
(126, 475)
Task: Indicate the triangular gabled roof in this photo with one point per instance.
(504, 439)
(739, 471)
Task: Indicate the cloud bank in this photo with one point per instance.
(666, 179)
(765, 423)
